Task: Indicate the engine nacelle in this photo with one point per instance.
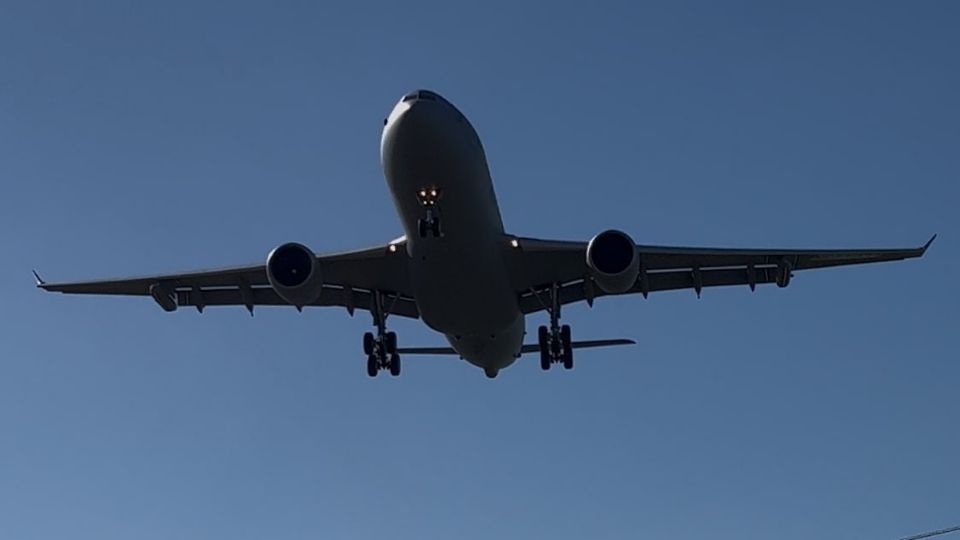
(613, 261)
(293, 271)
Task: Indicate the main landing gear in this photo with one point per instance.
(556, 346)
(429, 225)
(381, 348)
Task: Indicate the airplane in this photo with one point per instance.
(457, 269)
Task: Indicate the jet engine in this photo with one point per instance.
(294, 273)
(613, 261)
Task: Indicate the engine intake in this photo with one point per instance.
(294, 273)
(613, 261)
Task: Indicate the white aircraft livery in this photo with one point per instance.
(458, 270)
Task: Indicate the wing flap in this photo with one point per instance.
(266, 296)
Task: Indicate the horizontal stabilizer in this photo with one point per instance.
(526, 349)
(426, 350)
(533, 347)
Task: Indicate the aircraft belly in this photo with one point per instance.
(463, 292)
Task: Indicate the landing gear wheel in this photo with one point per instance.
(567, 345)
(391, 342)
(568, 359)
(372, 366)
(368, 343)
(395, 364)
(435, 227)
(422, 228)
(543, 338)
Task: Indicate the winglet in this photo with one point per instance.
(927, 245)
(40, 281)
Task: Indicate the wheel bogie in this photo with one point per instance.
(381, 351)
(556, 346)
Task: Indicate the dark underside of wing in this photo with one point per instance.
(349, 280)
(541, 264)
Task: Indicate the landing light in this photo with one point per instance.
(514, 243)
(393, 248)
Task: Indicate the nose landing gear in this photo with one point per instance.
(429, 225)
(556, 345)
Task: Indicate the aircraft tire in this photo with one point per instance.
(395, 364)
(566, 344)
(391, 342)
(367, 343)
(544, 342)
(372, 367)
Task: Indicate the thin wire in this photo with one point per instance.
(932, 533)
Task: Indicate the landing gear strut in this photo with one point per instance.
(380, 348)
(429, 226)
(556, 345)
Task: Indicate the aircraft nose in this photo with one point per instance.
(423, 119)
(419, 109)
(419, 99)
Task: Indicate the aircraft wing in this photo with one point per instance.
(349, 279)
(538, 264)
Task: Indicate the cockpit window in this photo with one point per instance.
(423, 94)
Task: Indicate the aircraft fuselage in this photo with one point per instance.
(434, 162)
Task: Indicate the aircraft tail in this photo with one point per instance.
(526, 349)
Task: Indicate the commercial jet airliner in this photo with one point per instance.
(458, 270)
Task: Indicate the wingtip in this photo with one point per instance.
(927, 245)
(40, 281)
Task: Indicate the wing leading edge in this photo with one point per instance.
(539, 264)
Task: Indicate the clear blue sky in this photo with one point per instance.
(175, 135)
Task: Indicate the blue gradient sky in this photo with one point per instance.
(180, 135)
